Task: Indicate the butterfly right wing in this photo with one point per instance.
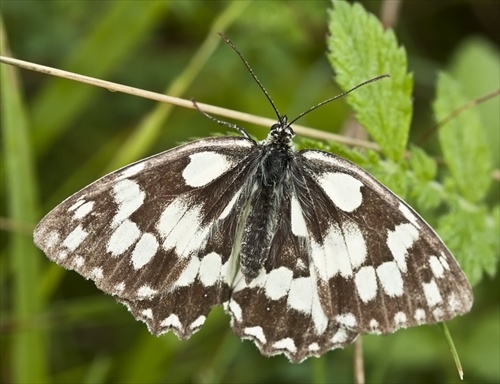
(348, 257)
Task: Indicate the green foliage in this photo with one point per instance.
(472, 232)
(22, 200)
(424, 166)
(468, 227)
(359, 49)
(463, 142)
(479, 57)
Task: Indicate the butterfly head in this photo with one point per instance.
(281, 133)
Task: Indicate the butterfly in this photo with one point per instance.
(304, 249)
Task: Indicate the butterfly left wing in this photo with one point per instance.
(157, 234)
(349, 257)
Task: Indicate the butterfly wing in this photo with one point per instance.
(349, 257)
(155, 229)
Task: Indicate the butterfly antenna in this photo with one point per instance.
(338, 97)
(229, 42)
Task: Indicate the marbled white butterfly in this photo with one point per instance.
(304, 249)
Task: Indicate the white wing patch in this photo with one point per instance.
(205, 167)
(230, 205)
(198, 322)
(172, 321)
(400, 241)
(181, 229)
(408, 214)
(390, 278)
(132, 170)
(123, 238)
(432, 294)
(129, 197)
(256, 332)
(78, 203)
(146, 291)
(299, 227)
(287, 344)
(343, 189)
(144, 250)
(75, 238)
(400, 319)
(278, 282)
(436, 267)
(210, 269)
(83, 210)
(346, 319)
(366, 283)
(419, 315)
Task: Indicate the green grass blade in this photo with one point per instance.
(28, 348)
(453, 350)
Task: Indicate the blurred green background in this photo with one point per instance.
(63, 330)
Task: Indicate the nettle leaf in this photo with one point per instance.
(360, 49)
(463, 141)
(480, 58)
(394, 175)
(424, 166)
(424, 190)
(471, 233)
(427, 195)
(360, 158)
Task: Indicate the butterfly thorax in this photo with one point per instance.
(272, 178)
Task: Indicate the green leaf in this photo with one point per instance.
(463, 141)
(360, 49)
(423, 166)
(338, 149)
(393, 175)
(471, 233)
(426, 192)
(475, 65)
(427, 195)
